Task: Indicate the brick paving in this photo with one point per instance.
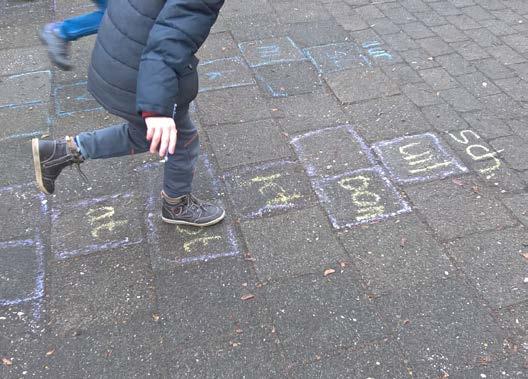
(371, 157)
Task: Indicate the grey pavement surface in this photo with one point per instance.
(372, 158)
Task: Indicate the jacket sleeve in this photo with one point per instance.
(180, 29)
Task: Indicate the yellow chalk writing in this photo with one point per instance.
(269, 186)
(488, 154)
(204, 241)
(420, 159)
(95, 215)
(368, 202)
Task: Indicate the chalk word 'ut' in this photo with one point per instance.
(417, 158)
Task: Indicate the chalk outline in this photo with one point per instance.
(152, 234)
(37, 243)
(153, 240)
(309, 167)
(319, 187)
(242, 46)
(266, 209)
(308, 53)
(30, 102)
(28, 134)
(58, 107)
(96, 247)
(436, 144)
(236, 59)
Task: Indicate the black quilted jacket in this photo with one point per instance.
(144, 50)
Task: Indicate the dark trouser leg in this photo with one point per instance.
(114, 141)
(126, 139)
(179, 168)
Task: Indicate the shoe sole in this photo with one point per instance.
(50, 56)
(181, 222)
(36, 163)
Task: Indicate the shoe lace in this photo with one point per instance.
(194, 201)
(81, 174)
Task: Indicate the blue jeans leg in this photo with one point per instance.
(126, 139)
(84, 25)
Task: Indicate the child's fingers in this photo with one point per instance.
(150, 131)
(164, 142)
(172, 140)
(155, 140)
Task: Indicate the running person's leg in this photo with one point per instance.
(51, 157)
(56, 36)
(179, 205)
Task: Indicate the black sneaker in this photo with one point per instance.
(57, 47)
(50, 157)
(188, 210)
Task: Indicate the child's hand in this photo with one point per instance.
(161, 131)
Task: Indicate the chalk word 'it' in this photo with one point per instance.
(360, 197)
(478, 152)
(100, 224)
(417, 158)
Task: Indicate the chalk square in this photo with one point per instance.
(24, 122)
(336, 57)
(270, 51)
(332, 151)
(18, 272)
(269, 189)
(25, 89)
(72, 98)
(175, 246)
(224, 73)
(24, 202)
(360, 197)
(286, 79)
(357, 84)
(93, 225)
(293, 243)
(417, 158)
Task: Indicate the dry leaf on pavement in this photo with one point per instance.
(7, 362)
(249, 296)
(329, 271)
